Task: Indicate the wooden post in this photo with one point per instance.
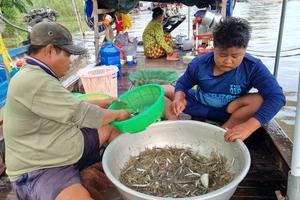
(224, 7)
(78, 18)
(96, 30)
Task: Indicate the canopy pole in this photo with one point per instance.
(189, 23)
(293, 187)
(279, 41)
(96, 31)
(224, 7)
(74, 3)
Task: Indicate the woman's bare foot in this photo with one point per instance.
(176, 54)
(173, 57)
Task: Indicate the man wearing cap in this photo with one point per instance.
(51, 135)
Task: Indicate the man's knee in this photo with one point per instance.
(107, 133)
(73, 192)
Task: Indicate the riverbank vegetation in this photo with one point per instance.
(14, 10)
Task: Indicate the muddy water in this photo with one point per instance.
(265, 17)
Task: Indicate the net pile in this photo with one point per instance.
(156, 76)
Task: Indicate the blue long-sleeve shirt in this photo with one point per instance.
(218, 91)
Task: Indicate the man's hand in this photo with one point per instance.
(123, 115)
(115, 115)
(177, 107)
(107, 102)
(104, 103)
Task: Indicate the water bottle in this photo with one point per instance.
(110, 55)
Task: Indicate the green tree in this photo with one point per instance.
(12, 10)
(20, 5)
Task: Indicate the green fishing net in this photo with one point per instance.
(157, 76)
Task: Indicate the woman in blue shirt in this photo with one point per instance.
(224, 78)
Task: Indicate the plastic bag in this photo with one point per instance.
(126, 19)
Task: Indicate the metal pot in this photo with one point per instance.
(187, 44)
(179, 39)
(218, 18)
(208, 18)
(199, 136)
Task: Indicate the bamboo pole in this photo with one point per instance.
(96, 31)
(189, 21)
(74, 3)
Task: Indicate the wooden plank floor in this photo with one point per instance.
(264, 177)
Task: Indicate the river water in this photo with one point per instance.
(264, 16)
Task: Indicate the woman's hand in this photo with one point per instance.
(177, 107)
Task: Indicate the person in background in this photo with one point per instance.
(223, 79)
(156, 43)
(50, 135)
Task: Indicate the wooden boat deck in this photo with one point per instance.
(269, 147)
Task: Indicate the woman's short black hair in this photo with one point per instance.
(157, 12)
(232, 32)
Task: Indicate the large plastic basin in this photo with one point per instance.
(201, 137)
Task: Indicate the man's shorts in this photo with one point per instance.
(46, 184)
(197, 109)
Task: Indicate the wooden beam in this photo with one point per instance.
(104, 11)
(280, 143)
(96, 31)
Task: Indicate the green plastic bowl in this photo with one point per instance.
(76, 94)
(148, 100)
(93, 96)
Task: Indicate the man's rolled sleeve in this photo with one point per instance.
(88, 115)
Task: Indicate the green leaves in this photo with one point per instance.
(18, 4)
(11, 10)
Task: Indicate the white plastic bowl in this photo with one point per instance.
(199, 136)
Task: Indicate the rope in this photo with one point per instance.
(285, 56)
(298, 48)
